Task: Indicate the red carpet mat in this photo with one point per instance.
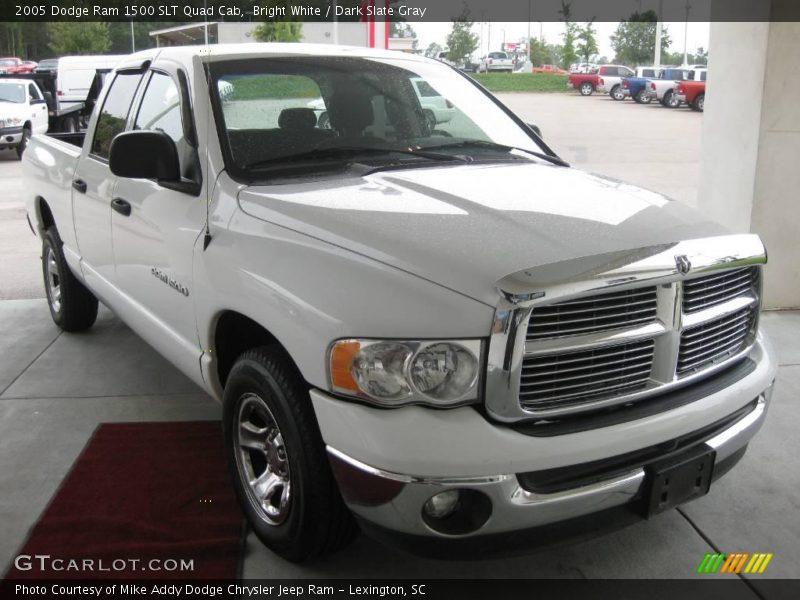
(144, 501)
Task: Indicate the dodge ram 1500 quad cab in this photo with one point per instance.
(439, 332)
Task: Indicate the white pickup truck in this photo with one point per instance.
(497, 62)
(610, 80)
(23, 112)
(448, 337)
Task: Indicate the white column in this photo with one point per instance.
(750, 168)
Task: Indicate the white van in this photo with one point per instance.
(76, 73)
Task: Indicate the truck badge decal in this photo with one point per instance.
(683, 263)
(159, 274)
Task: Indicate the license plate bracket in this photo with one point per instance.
(678, 479)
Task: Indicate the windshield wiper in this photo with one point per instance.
(501, 147)
(353, 151)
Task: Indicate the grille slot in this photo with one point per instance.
(711, 290)
(573, 378)
(602, 312)
(713, 341)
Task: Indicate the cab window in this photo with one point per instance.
(114, 114)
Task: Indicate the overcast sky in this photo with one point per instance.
(495, 32)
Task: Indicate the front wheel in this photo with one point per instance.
(278, 460)
(23, 143)
(72, 306)
(586, 89)
(616, 93)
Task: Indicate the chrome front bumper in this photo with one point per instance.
(394, 502)
(10, 136)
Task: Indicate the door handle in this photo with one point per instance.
(80, 185)
(123, 207)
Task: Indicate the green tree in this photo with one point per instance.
(89, 37)
(461, 41)
(568, 53)
(538, 53)
(587, 42)
(635, 39)
(433, 49)
(279, 31)
(283, 29)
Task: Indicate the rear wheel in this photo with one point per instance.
(699, 102)
(586, 89)
(616, 93)
(642, 97)
(671, 100)
(278, 460)
(72, 306)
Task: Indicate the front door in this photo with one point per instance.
(156, 228)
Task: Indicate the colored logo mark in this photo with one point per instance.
(737, 562)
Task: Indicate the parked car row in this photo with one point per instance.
(646, 84)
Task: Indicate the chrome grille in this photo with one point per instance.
(601, 312)
(713, 290)
(567, 379)
(703, 345)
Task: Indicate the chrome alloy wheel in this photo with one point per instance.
(261, 460)
(52, 280)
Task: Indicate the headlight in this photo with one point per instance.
(10, 121)
(396, 373)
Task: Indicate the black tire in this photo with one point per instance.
(699, 103)
(670, 100)
(642, 97)
(72, 306)
(324, 121)
(23, 143)
(314, 520)
(586, 89)
(70, 125)
(616, 93)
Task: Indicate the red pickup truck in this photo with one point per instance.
(587, 83)
(692, 93)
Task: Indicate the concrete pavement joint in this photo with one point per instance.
(709, 541)
(30, 364)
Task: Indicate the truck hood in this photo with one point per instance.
(466, 227)
(9, 110)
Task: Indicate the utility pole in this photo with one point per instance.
(657, 58)
(133, 39)
(686, 34)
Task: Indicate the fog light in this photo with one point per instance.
(442, 505)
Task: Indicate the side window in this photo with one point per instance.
(610, 71)
(33, 91)
(114, 113)
(161, 108)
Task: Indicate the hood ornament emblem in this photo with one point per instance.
(683, 264)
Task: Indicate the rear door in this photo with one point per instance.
(155, 226)
(93, 183)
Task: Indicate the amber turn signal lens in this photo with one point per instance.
(342, 355)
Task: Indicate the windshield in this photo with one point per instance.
(12, 92)
(275, 111)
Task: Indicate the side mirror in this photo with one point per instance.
(144, 155)
(536, 129)
(48, 96)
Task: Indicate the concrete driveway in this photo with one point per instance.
(56, 387)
